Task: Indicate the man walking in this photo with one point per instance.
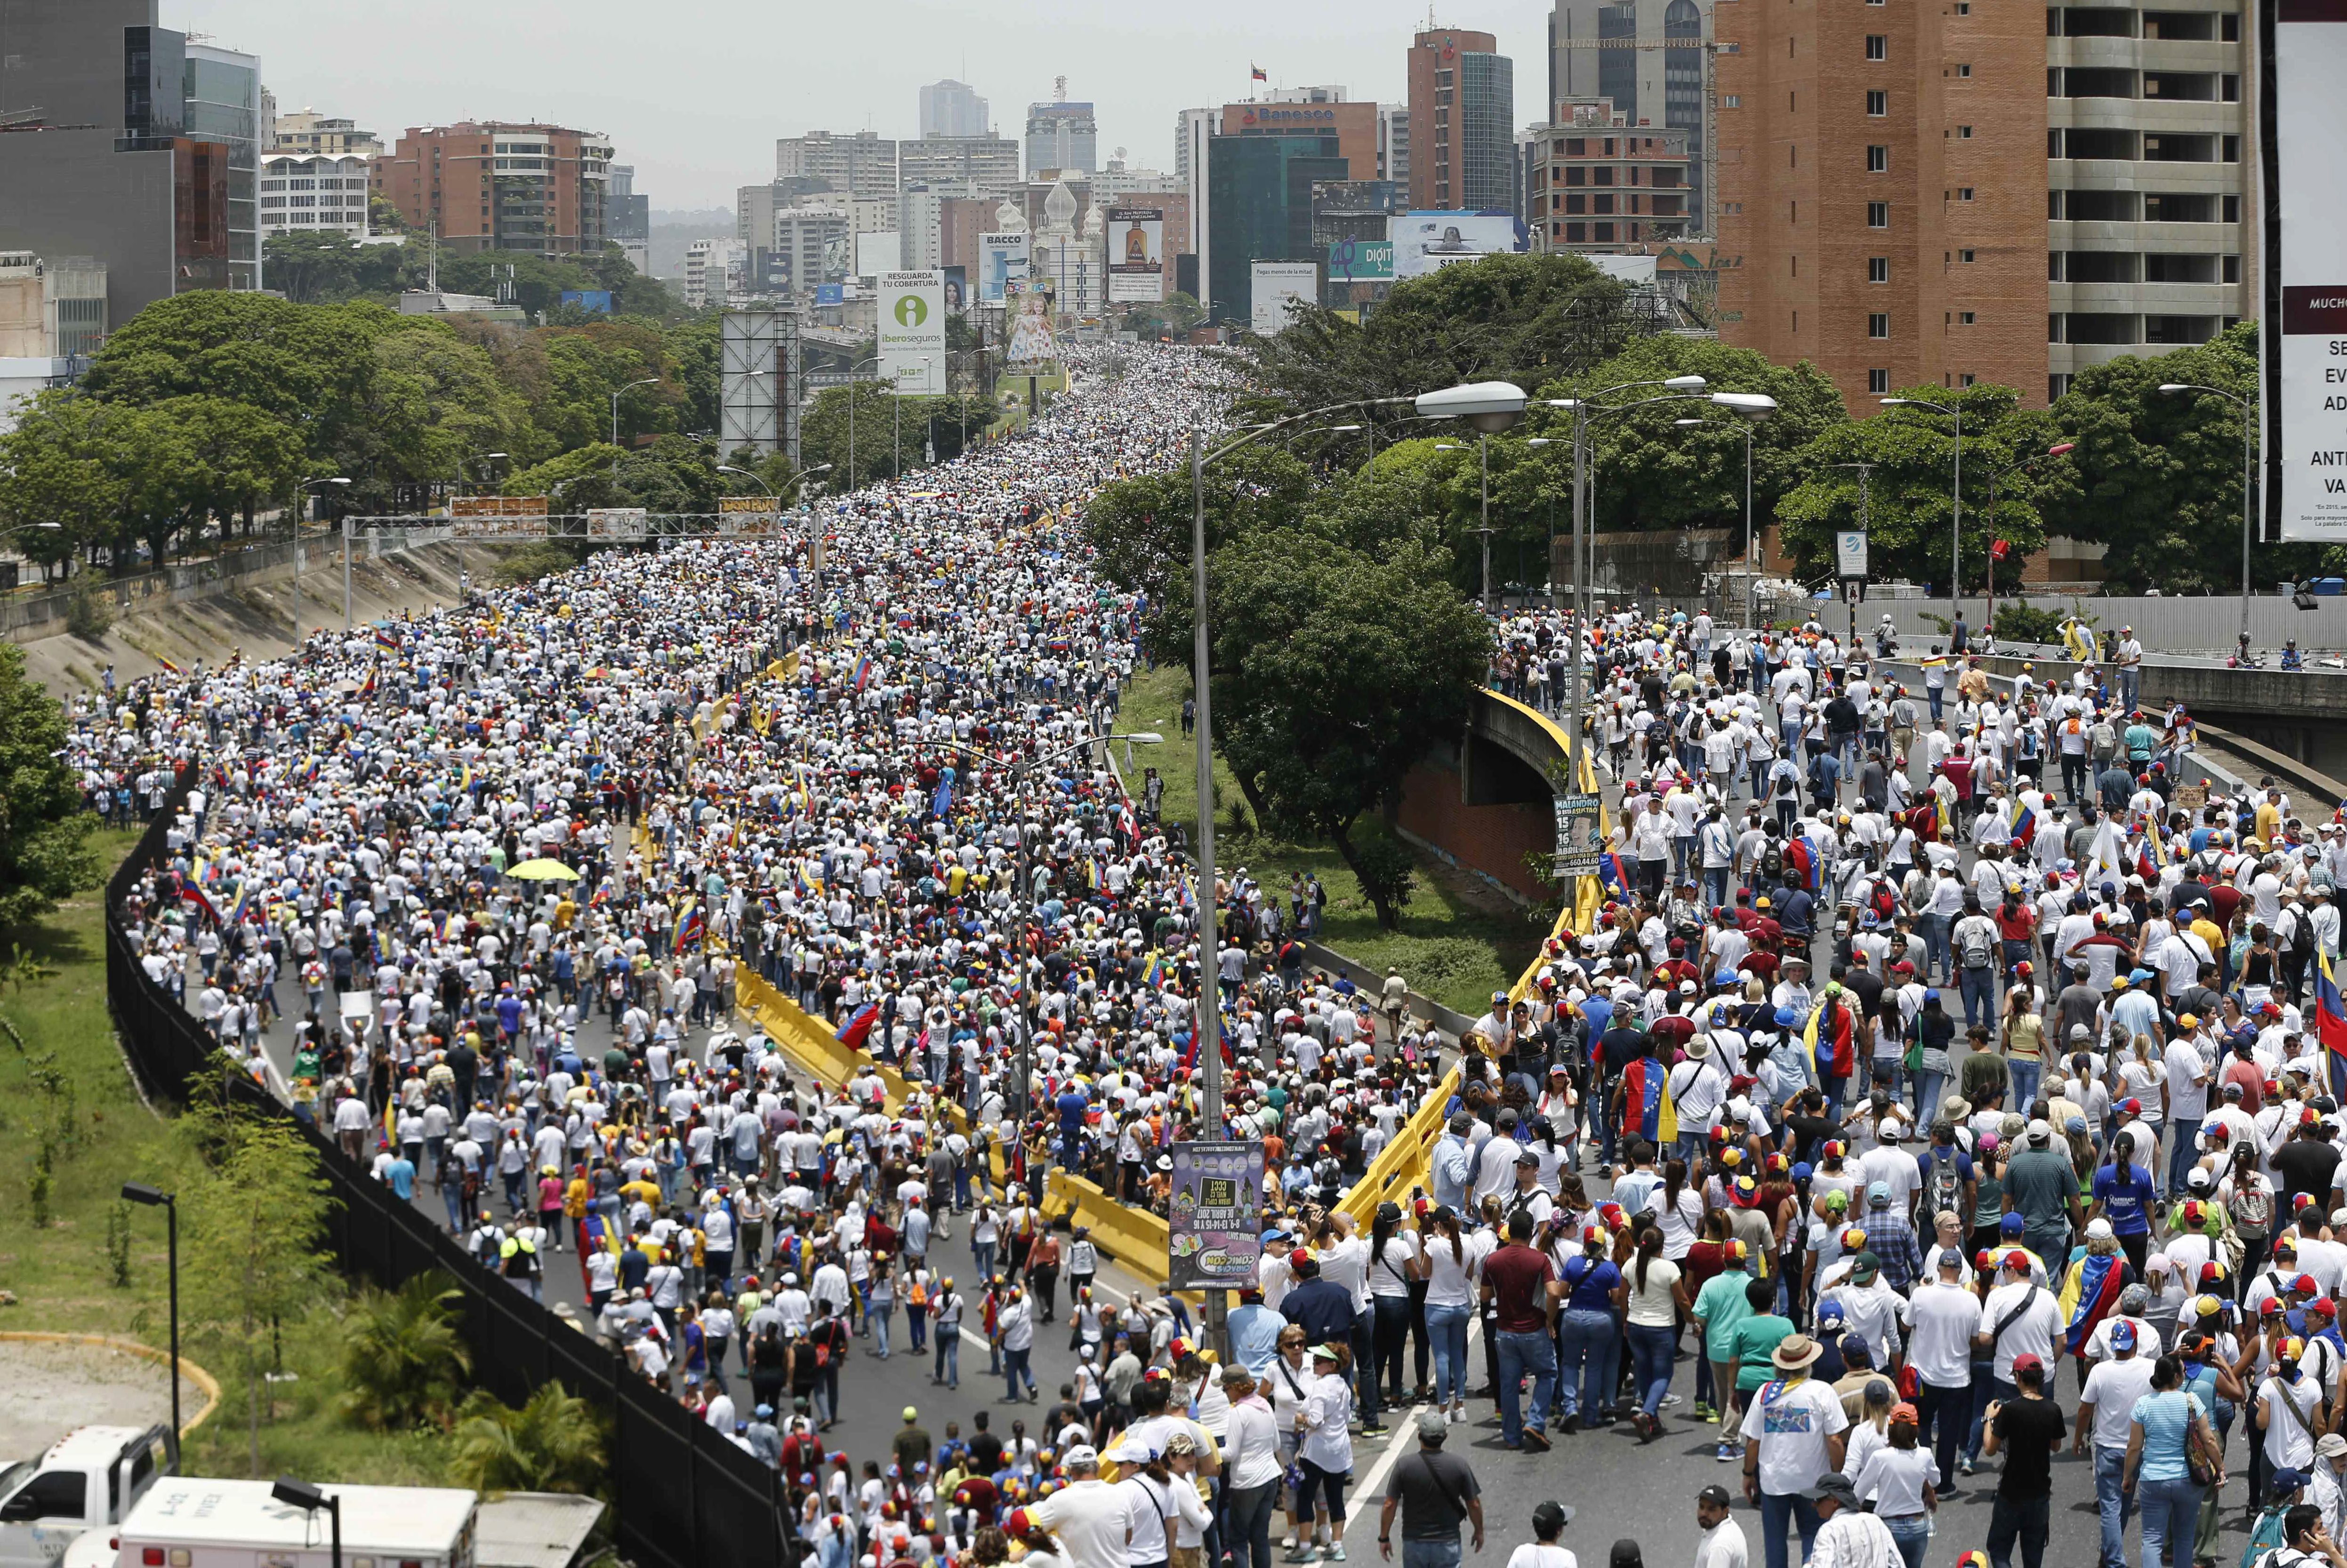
(1792, 1432)
(1521, 1285)
(2027, 1429)
(1435, 1491)
(2105, 1417)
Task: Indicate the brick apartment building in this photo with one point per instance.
(499, 186)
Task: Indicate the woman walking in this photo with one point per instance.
(1649, 1299)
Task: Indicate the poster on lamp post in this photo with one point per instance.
(1215, 1219)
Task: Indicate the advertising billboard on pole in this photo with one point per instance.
(1136, 264)
(1274, 284)
(1423, 241)
(2305, 232)
(913, 330)
(1001, 265)
(1213, 1220)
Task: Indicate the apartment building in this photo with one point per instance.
(1463, 114)
(862, 164)
(314, 193)
(1599, 183)
(499, 185)
(1645, 55)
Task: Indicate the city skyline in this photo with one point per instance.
(697, 113)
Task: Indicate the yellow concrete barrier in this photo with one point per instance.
(1133, 1237)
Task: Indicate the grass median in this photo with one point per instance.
(1458, 942)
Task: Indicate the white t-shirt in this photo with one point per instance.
(2113, 1387)
(1724, 1547)
(1451, 1283)
(1092, 1519)
(1535, 1556)
(1940, 1321)
(1792, 1428)
(2032, 1332)
(1390, 1276)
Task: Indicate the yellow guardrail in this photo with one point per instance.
(1408, 1162)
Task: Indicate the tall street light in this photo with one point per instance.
(1956, 518)
(2249, 465)
(2059, 448)
(1489, 408)
(309, 1498)
(1865, 472)
(153, 1197)
(1751, 407)
(302, 506)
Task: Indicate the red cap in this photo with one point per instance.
(2017, 1259)
(2305, 1282)
(1020, 1523)
(2027, 1361)
(2271, 1307)
(2324, 1305)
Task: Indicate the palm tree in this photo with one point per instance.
(405, 1361)
(554, 1443)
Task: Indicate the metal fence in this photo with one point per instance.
(682, 1494)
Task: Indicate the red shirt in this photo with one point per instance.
(1519, 1277)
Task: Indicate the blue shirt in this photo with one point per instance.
(401, 1175)
(1254, 1331)
(1592, 1284)
(2164, 1418)
(2127, 1197)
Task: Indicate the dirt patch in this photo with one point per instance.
(47, 1390)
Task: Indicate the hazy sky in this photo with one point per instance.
(694, 94)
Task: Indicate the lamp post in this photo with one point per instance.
(303, 490)
(153, 1197)
(309, 1498)
(1956, 518)
(1988, 616)
(1865, 471)
(475, 458)
(617, 393)
(2248, 467)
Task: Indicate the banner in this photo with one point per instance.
(497, 517)
(1033, 340)
(2306, 232)
(1361, 262)
(1849, 552)
(1272, 285)
(1580, 834)
(616, 523)
(1423, 241)
(1214, 1225)
(1136, 265)
(1001, 265)
(913, 330)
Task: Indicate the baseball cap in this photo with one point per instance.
(2027, 1361)
(2122, 1335)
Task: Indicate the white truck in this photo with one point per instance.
(89, 1480)
(192, 1521)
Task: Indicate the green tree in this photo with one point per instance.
(55, 468)
(1141, 527)
(404, 1360)
(2157, 479)
(241, 456)
(824, 430)
(256, 1231)
(1909, 492)
(1529, 319)
(324, 268)
(554, 1443)
(1333, 672)
(44, 851)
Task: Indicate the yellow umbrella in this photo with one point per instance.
(542, 870)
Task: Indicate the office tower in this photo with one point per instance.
(501, 185)
(1062, 134)
(1393, 144)
(953, 108)
(313, 193)
(1462, 122)
(988, 161)
(1645, 55)
(1259, 189)
(863, 164)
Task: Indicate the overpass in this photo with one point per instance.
(1483, 800)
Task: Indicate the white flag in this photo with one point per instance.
(2102, 864)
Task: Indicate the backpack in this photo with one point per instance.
(1943, 1186)
(2251, 1213)
(1975, 948)
(2268, 1545)
(1772, 862)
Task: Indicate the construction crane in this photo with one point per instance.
(1709, 47)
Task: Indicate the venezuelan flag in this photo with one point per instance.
(2089, 1294)
(1613, 874)
(386, 638)
(853, 1032)
(862, 672)
(1945, 817)
(2330, 1022)
(169, 667)
(2024, 826)
(1646, 1108)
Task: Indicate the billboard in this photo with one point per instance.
(830, 294)
(1423, 241)
(1033, 340)
(2306, 277)
(1215, 1220)
(749, 516)
(1136, 264)
(1001, 265)
(1580, 834)
(1361, 262)
(913, 330)
(596, 299)
(497, 517)
(956, 290)
(878, 253)
(1273, 284)
(616, 523)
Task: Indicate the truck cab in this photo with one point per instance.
(87, 1480)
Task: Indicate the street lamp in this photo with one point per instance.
(1490, 408)
(617, 393)
(1988, 616)
(476, 458)
(1751, 407)
(2249, 461)
(1956, 518)
(309, 1498)
(305, 488)
(152, 1198)
(1865, 472)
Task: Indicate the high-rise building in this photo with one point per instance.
(1599, 183)
(953, 108)
(1192, 128)
(1062, 134)
(314, 193)
(501, 185)
(1259, 189)
(1393, 144)
(1118, 180)
(862, 164)
(1354, 124)
(815, 244)
(147, 156)
(716, 272)
(1645, 55)
(1882, 176)
(307, 131)
(988, 161)
(627, 218)
(920, 220)
(1462, 121)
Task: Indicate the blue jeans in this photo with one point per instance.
(1933, 929)
(1521, 1352)
(1014, 1368)
(2114, 1505)
(2024, 1076)
(1911, 1534)
(1430, 1553)
(1929, 1088)
(1980, 994)
(1714, 886)
(1447, 1327)
(1584, 1338)
(2171, 1513)
(947, 1370)
(2185, 1147)
(1777, 1514)
(876, 1317)
(1650, 1350)
(1249, 1511)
